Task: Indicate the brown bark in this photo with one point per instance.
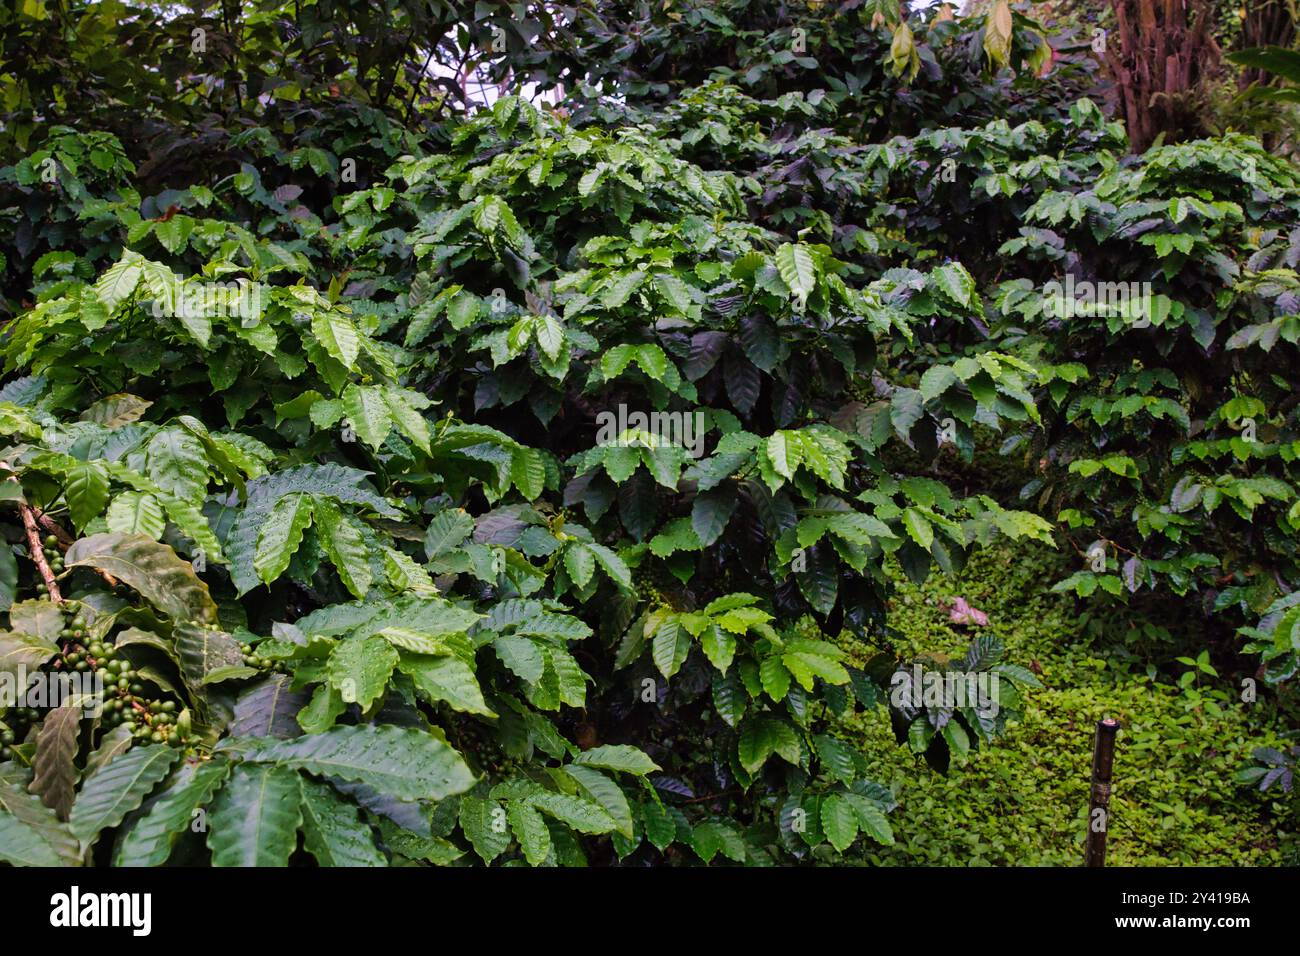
(1160, 56)
(37, 550)
(1267, 23)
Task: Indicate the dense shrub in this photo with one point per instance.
(401, 569)
(521, 485)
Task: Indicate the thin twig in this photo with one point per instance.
(38, 551)
(66, 540)
(710, 796)
(415, 85)
(48, 523)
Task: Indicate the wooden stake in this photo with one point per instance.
(1103, 759)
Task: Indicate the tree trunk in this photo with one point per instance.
(1160, 56)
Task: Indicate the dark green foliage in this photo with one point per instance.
(504, 483)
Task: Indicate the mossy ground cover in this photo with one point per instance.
(1023, 801)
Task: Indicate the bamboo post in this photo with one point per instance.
(1103, 759)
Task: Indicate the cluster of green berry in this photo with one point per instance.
(126, 702)
(647, 582)
(253, 659)
(54, 558)
(18, 722)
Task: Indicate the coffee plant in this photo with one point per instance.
(407, 479)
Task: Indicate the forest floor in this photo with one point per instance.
(1023, 801)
